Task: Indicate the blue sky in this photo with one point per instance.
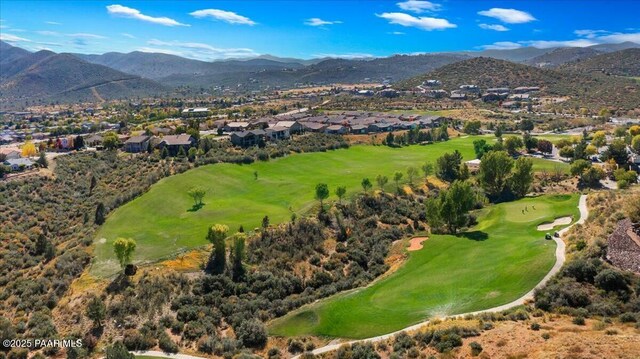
(209, 30)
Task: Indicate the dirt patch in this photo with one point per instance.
(562, 221)
(416, 243)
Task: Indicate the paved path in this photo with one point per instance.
(560, 259)
(154, 353)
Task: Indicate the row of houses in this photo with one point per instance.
(173, 143)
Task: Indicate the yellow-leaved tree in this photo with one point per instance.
(29, 149)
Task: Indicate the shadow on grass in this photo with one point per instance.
(475, 235)
(195, 207)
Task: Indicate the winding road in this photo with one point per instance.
(560, 259)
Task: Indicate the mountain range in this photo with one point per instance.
(44, 76)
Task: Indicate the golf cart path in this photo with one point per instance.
(560, 259)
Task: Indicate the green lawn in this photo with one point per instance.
(162, 225)
(501, 259)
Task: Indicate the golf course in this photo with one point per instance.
(486, 267)
(163, 223)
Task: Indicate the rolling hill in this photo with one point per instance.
(563, 55)
(620, 63)
(45, 76)
(158, 66)
(589, 90)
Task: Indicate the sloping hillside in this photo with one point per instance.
(157, 66)
(9, 53)
(46, 76)
(619, 63)
(590, 90)
(563, 55)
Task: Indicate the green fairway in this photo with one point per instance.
(162, 225)
(498, 261)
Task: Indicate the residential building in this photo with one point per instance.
(137, 144)
(173, 143)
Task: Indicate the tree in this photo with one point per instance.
(495, 170)
(448, 166)
(545, 146)
(579, 166)
(592, 176)
(427, 169)
(617, 151)
(366, 185)
(526, 125)
(599, 139)
(118, 351)
(218, 258)
(472, 127)
(42, 160)
(197, 194)
(396, 178)
(100, 213)
(78, 143)
(181, 152)
(390, 139)
(92, 184)
(322, 193)
(340, 192)
(522, 177)
(110, 141)
(265, 222)
(238, 254)
(96, 311)
(382, 181)
(252, 333)
(481, 147)
(28, 149)
(635, 144)
(634, 130)
(164, 153)
(513, 144)
(191, 154)
(567, 152)
(412, 173)
(124, 248)
(530, 142)
(451, 207)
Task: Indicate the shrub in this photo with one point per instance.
(535, 326)
(476, 348)
(546, 336)
(252, 333)
(578, 321)
(628, 318)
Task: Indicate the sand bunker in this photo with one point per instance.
(558, 222)
(416, 243)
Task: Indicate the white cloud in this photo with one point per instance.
(502, 45)
(348, 56)
(48, 33)
(396, 33)
(590, 34)
(160, 51)
(617, 38)
(123, 11)
(128, 35)
(546, 44)
(496, 27)
(418, 6)
(201, 51)
(424, 23)
(52, 23)
(509, 16)
(12, 38)
(82, 35)
(316, 21)
(610, 38)
(226, 16)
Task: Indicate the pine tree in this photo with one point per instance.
(218, 258)
(100, 214)
(238, 254)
